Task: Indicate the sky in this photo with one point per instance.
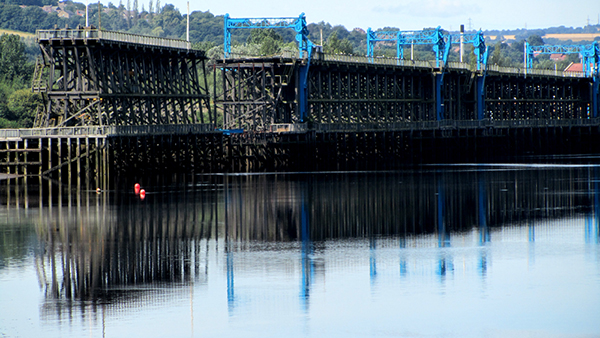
(411, 14)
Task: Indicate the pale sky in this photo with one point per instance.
(412, 14)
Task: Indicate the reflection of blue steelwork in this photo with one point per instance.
(592, 222)
(304, 46)
(306, 257)
(372, 259)
(403, 268)
(443, 236)
(590, 59)
(441, 43)
(230, 286)
(444, 265)
(531, 232)
(484, 232)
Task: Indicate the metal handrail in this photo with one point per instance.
(420, 64)
(454, 124)
(98, 34)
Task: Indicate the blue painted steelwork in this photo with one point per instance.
(479, 47)
(231, 131)
(298, 24)
(590, 58)
(590, 54)
(433, 37)
(304, 46)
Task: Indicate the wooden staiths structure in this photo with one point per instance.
(92, 77)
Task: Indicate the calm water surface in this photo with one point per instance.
(463, 251)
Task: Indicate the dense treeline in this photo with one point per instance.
(17, 104)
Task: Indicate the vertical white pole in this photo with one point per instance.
(462, 41)
(188, 22)
(525, 57)
(87, 4)
(321, 30)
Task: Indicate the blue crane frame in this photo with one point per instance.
(433, 37)
(590, 58)
(429, 37)
(298, 24)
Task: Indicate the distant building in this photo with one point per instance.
(64, 14)
(558, 57)
(574, 67)
(50, 8)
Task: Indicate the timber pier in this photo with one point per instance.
(121, 104)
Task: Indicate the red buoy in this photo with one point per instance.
(142, 194)
(136, 188)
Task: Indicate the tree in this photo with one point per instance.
(535, 40)
(23, 105)
(13, 62)
(336, 46)
(270, 42)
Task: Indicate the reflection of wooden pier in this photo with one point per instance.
(99, 246)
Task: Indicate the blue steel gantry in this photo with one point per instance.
(436, 37)
(589, 53)
(298, 24)
(441, 43)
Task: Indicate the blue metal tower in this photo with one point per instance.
(298, 24)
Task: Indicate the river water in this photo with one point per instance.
(436, 251)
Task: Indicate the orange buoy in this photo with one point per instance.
(136, 188)
(142, 194)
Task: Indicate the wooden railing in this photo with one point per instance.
(83, 33)
(100, 131)
(461, 124)
(380, 60)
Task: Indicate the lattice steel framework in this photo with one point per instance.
(354, 93)
(513, 97)
(95, 77)
(259, 92)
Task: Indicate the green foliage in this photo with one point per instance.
(13, 62)
(535, 40)
(17, 103)
(22, 105)
(270, 42)
(336, 46)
